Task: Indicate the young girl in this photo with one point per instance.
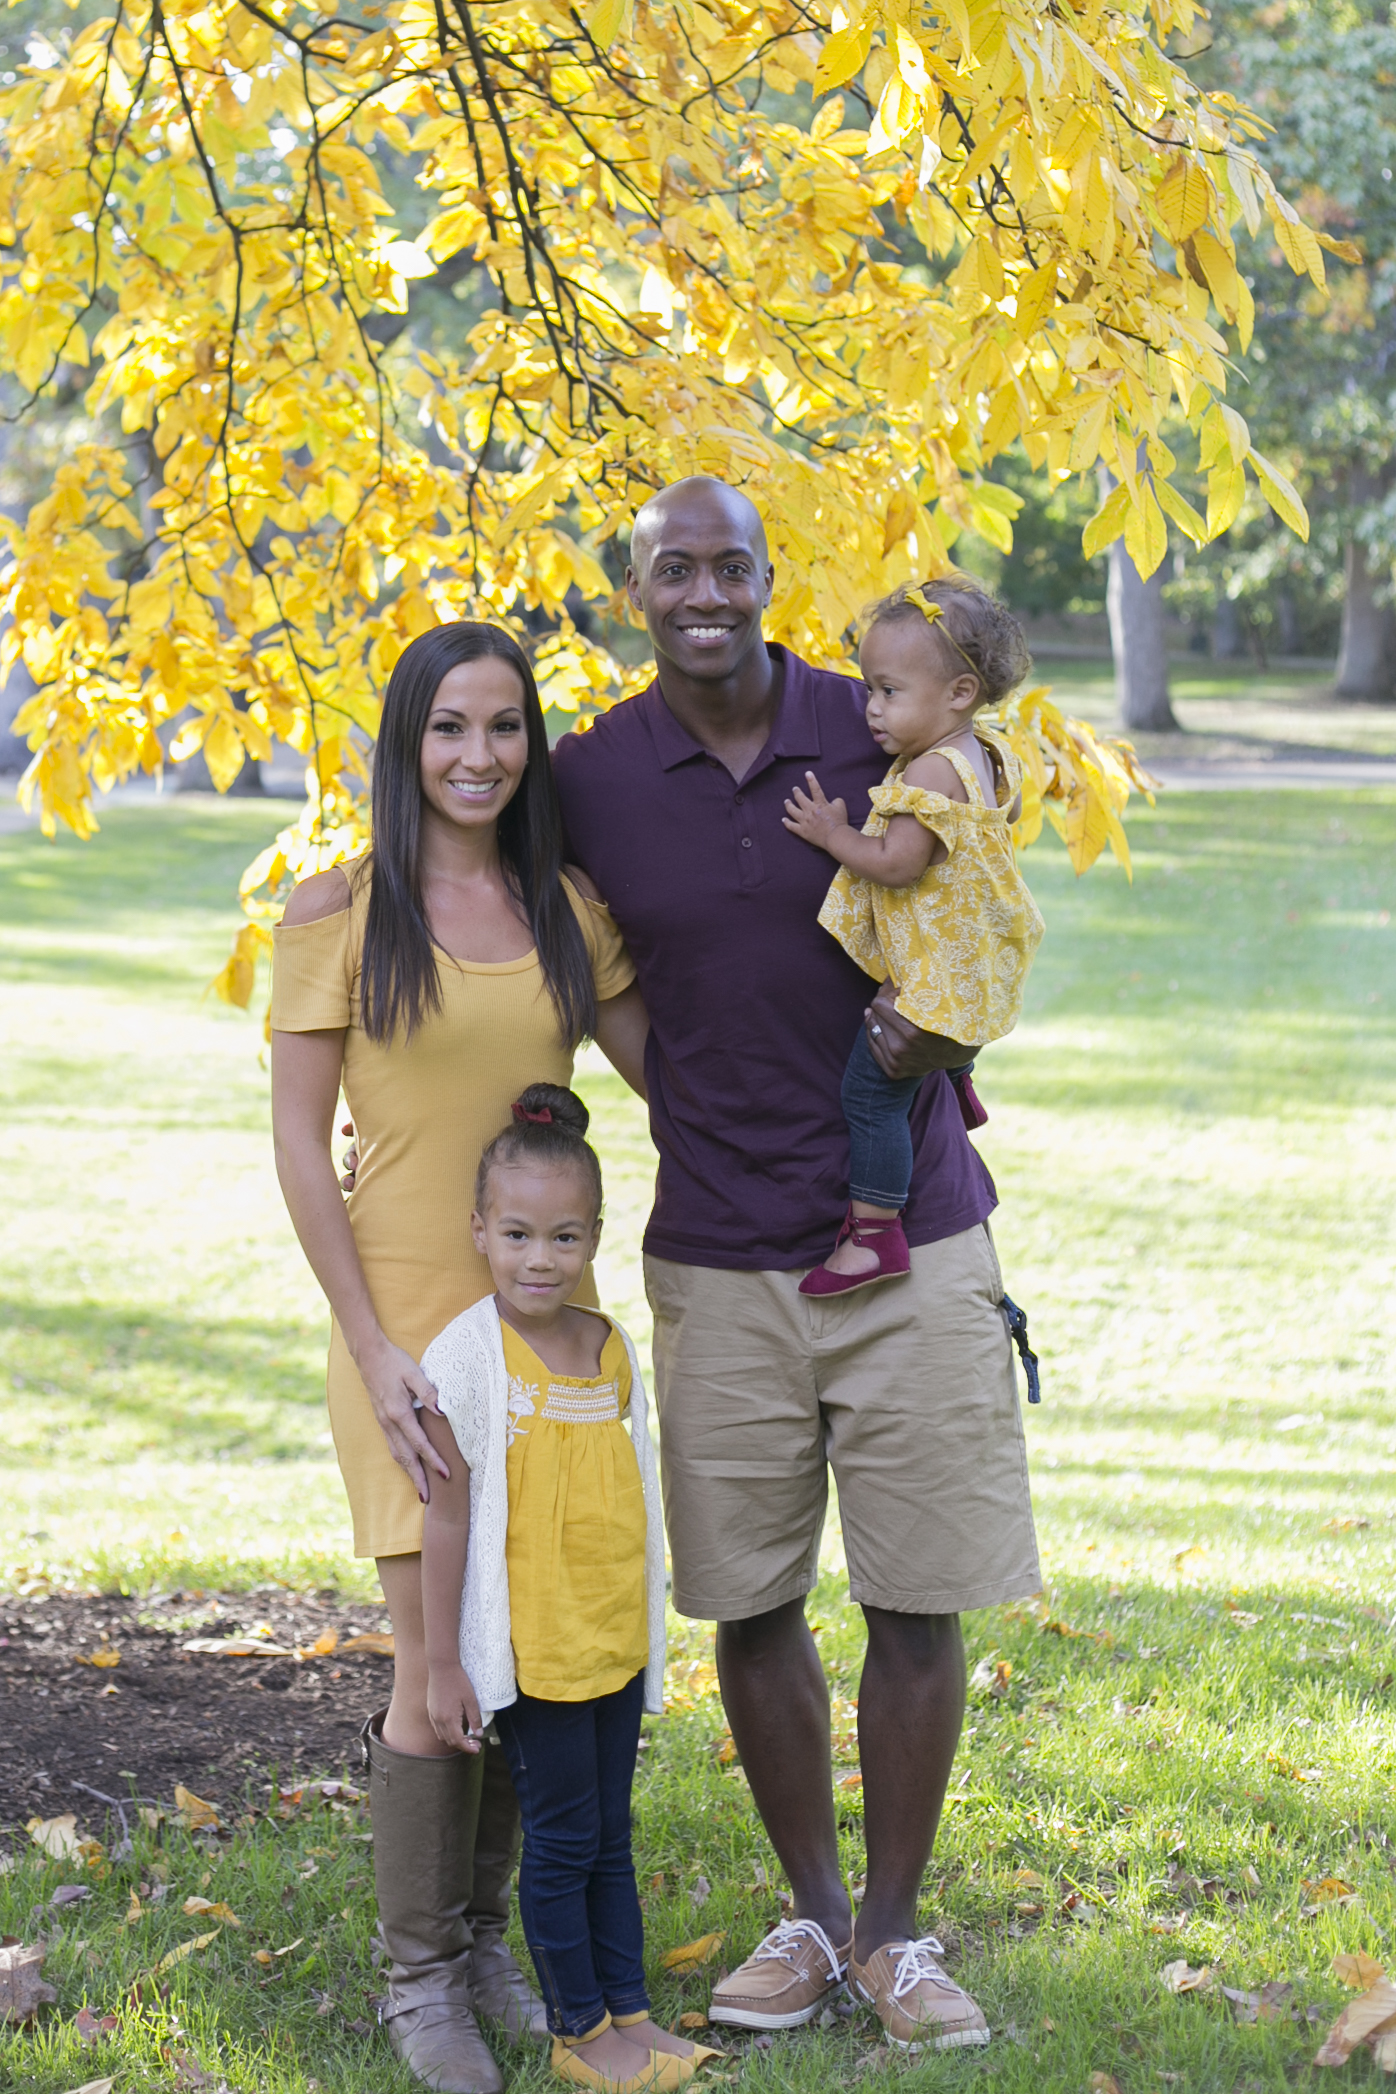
(929, 894)
(543, 1583)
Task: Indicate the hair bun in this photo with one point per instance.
(563, 1107)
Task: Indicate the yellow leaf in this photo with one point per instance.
(1358, 1970)
(693, 2021)
(693, 1954)
(1146, 534)
(186, 1948)
(1219, 269)
(193, 1907)
(1181, 510)
(104, 1658)
(1183, 198)
(197, 1815)
(1299, 247)
(1037, 294)
(223, 753)
(902, 512)
(1281, 496)
(1226, 490)
(1107, 523)
(1180, 1977)
(1087, 435)
(376, 1640)
(604, 20)
(844, 53)
(1344, 249)
(57, 1836)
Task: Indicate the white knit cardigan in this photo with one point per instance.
(466, 1364)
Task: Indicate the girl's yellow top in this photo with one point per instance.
(958, 944)
(575, 1548)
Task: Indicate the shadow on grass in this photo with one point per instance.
(248, 1387)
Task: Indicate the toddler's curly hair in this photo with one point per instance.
(969, 624)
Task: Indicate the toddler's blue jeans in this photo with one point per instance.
(877, 1108)
(573, 1763)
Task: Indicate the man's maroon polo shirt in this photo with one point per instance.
(753, 1006)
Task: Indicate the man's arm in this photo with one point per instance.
(900, 1048)
(622, 1028)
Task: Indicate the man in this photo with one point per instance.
(673, 805)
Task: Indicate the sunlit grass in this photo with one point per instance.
(1191, 1132)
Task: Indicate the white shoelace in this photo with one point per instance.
(914, 1964)
(780, 1945)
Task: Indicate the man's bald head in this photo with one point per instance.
(696, 503)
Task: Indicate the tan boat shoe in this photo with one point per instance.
(785, 1981)
(918, 2005)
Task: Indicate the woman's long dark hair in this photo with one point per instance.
(400, 983)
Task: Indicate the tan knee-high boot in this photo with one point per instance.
(424, 1815)
(498, 1988)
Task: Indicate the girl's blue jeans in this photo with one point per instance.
(573, 1763)
(877, 1108)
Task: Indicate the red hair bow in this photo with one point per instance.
(542, 1118)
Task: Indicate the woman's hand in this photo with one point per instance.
(813, 818)
(393, 1380)
(453, 1709)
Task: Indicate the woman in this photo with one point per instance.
(431, 980)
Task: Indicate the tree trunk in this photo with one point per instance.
(1367, 651)
(1227, 643)
(1137, 642)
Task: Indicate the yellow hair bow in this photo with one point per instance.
(934, 614)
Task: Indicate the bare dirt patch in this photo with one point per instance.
(223, 1726)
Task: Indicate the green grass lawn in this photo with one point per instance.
(1192, 1136)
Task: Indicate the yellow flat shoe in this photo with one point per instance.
(677, 2072)
(570, 2065)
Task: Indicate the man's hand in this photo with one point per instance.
(813, 818)
(452, 1708)
(900, 1048)
(393, 1380)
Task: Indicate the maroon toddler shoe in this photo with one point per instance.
(883, 1234)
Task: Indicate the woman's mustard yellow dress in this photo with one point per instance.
(575, 1545)
(423, 1110)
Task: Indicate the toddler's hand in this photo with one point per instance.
(812, 817)
(452, 1708)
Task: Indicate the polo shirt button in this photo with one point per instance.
(746, 843)
(740, 800)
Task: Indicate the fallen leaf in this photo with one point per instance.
(1168, 1923)
(657, 1880)
(104, 1657)
(1359, 1970)
(1181, 1977)
(1250, 1880)
(1103, 2083)
(134, 1911)
(1047, 2026)
(699, 1892)
(186, 1948)
(1275, 2000)
(214, 1908)
(691, 1955)
(1330, 1890)
(1244, 2005)
(375, 1640)
(91, 2027)
(991, 1676)
(22, 1987)
(1384, 2047)
(196, 1814)
(1028, 1879)
(849, 1781)
(57, 1836)
(693, 2021)
(189, 2072)
(324, 1646)
(1374, 2014)
(70, 1894)
(1342, 1526)
(238, 1647)
(95, 2086)
(724, 1749)
(297, 1943)
(262, 1956)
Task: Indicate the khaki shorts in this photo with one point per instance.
(907, 1389)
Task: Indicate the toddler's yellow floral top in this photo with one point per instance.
(959, 943)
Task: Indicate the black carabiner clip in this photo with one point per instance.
(1017, 1322)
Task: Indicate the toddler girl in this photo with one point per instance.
(929, 894)
(543, 1584)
